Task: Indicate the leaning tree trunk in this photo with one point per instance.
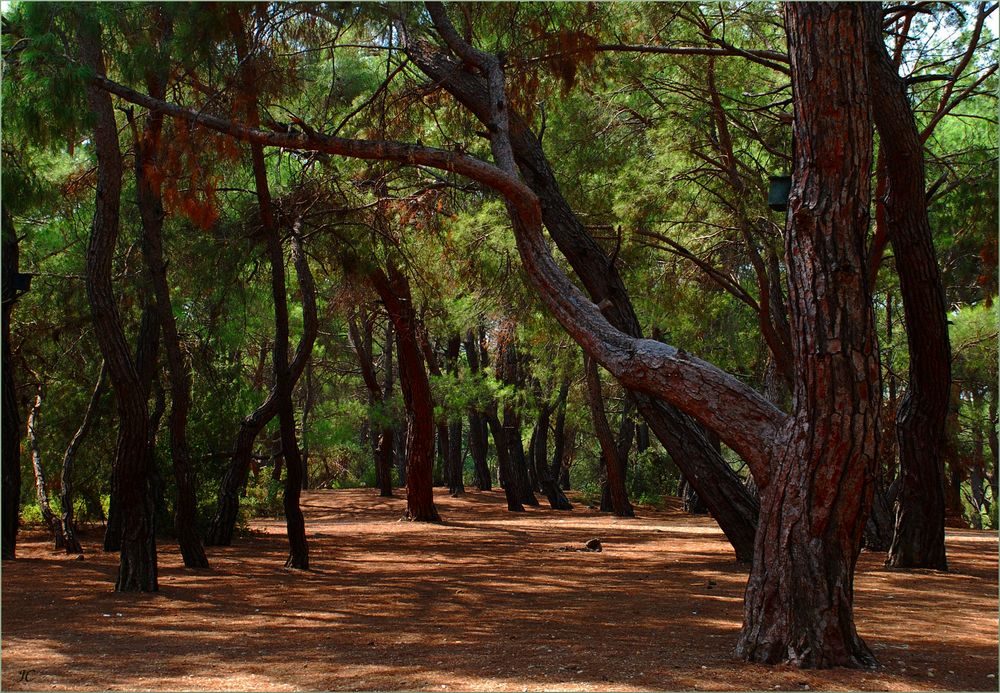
(800, 596)
(11, 438)
(72, 544)
(732, 506)
(41, 490)
(394, 290)
(918, 541)
(151, 213)
(613, 462)
(137, 568)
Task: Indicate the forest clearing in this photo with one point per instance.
(642, 345)
(487, 601)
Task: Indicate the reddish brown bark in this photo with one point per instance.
(394, 290)
(799, 600)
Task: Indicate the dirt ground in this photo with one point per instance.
(486, 601)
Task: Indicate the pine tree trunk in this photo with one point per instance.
(394, 290)
(478, 435)
(384, 459)
(799, 599)
(456, 483)
(539, 455)
(151, 213)
(284, 377)
(138, 567)
(613, 463)
(505, 472)
(66, 499)
(920, 425)
(41, 490)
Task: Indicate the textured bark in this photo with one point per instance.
(41, 489)
(394, 290)
(137, 567)
(918, 541)
(613, 462)
(478, 434)
(72, 544)
(799, 599)
(10, 440)
(150, 204)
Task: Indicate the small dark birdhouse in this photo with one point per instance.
(22, 282)
(777, 194)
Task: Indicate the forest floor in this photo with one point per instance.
(486, 601)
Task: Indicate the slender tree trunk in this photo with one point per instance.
(220, 531)
(559, 472)
(478, 435)
(456, 484)
(394, 290)
(384, 460)
(920, 425)
(72, 544)
(41, 491)
(504, 463)
(284, 378)
(799, 599)
(508, 367)
(11, 434)
(138, 568)
(151, 212)
(539, 455)
(609, 450)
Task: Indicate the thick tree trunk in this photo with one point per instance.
(613, 462)
(799, 599)
(478, 434)
(920, 425)
(138, 568)
(41, 490)
(11, 434)
(72, 544)
(394, 290)
(151, 212)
